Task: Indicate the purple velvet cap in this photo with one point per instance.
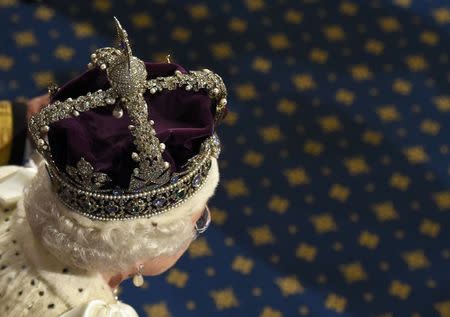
(183, 119)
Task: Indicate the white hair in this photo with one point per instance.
(110, 246)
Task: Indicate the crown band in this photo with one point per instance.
(116, 205)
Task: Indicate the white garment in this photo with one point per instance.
(32, 281)
(12, 181)
(98, 308)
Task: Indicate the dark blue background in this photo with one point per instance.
(335, 197)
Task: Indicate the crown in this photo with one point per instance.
(154, 186)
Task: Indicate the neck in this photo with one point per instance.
(114, 279)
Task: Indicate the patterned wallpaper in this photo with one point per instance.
(335, 193)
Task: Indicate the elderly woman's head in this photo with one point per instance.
(131, 161)
(114, 246)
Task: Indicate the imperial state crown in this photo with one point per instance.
(130, 139)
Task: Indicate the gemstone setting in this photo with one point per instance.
(197, 181)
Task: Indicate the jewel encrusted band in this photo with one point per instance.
(120, 205)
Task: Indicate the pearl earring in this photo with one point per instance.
(138, 278)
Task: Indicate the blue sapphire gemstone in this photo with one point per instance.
(159, 202)
(196, 182)
(174, 179)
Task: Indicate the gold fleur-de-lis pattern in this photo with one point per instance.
(335, 190)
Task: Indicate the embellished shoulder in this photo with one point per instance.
(22, 292)
(32, 281)
(98, 308)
